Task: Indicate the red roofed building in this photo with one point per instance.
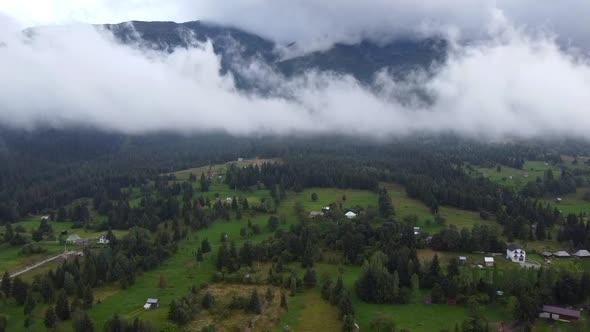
(559, 313)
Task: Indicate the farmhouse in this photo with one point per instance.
(151, 304)
(45, 218)
(558, 200)
(489, 261)
(559, 313)
(462, 259)
(326, 209)
(547, 254)
(583, 253)
(515, 253)
(350, 215)
(315, 214)
(103, 240)
(74, 238)
(561, 254)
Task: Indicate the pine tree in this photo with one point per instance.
(348, 323)
(62, 306)
(20, 290)
(199, 255)
(269, 295)
(208, 301)
(205, 246)
(309, 279)
(82, 322)
(204, 183)
(6, 285)
(254, 304)
(284, 304)
(88, 297)
(50, 318)
(29, 304)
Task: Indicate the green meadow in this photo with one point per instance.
(307, 310)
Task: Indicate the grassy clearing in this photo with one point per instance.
(571, 203)
(220, 168)
(515, 178)
(327, 196)
(309, 312)
(406, 206)
(225, 319)
(181, 270)
(12, 260)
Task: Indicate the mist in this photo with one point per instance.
(513, 83)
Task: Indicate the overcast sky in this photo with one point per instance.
(515, 78)
(323, 22)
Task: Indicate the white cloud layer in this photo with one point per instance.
(319, 23)
(508, 85)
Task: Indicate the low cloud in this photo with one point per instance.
(511, 85)
(317, 24)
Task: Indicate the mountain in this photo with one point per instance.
(236, 47)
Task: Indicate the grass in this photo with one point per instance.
(184, 175)
(307, 311)
(571, 203)
(181, 270)
(326, 196)
(512, 177)
(406, 206)
(12, 260)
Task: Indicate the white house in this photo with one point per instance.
(489, 261)
(583, 253)
(561, 254)
(315, 214)
(515, 253)
(350, 215)
(74, 238)
(151, 304)
(103, 240)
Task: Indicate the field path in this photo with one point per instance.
(64, 255)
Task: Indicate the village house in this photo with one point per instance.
(103, 239)
(547, 254)
(561, 254)
(463, 259)
(559, 313)
(326, 209)
(558, 200)
(488, 261)
(416, 230)
(315, 214)
(515, 253)
(45, 218)
(350, 215)
(582, 253)
(151, 304)
(74, 238)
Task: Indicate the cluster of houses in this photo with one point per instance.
(326, 209)
(582, 253)
(77, 240)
